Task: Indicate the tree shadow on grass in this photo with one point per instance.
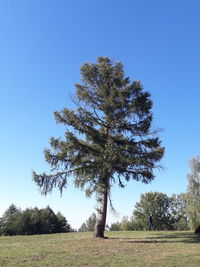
(180, 237)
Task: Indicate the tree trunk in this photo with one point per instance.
(102, 212)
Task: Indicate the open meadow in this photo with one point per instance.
(146, 249)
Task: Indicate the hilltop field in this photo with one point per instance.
(145, 249)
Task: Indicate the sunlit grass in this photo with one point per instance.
(151, 249)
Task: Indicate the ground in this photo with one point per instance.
(145, 249)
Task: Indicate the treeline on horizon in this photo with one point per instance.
(32, 221)
(169, 213)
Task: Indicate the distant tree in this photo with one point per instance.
(11, 221)
(83, 228)
(115, 226)
(62, 224)
(27, 223)
(91, 221)
(193, 193)
(88, 226)
(108, 137)
(179, 211)
(48, 221)
(126, 224)
(156, 204)
(168, 213)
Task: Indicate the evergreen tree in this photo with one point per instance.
(193, 193)
(11, 221)
(62, 224)
(27, 224)
(108, 137)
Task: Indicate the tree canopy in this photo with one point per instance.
(108, 137)
(153, 204)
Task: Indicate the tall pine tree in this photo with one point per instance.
(108, 137)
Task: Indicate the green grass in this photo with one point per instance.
(145, 249)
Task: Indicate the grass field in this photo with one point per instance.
(146, 249)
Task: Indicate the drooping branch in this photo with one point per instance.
(47, 182)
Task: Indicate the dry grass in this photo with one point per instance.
(145, 249)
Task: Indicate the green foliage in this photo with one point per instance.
(11, 221)
(113, 115)
(179, 211)
(168, 213)
(193, 193)
(126, 224)
(32, 221)
(89, 224)
(108, 137)
(115, 226)
(83, 228)
(155, 204)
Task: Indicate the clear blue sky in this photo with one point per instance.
(43, 43)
